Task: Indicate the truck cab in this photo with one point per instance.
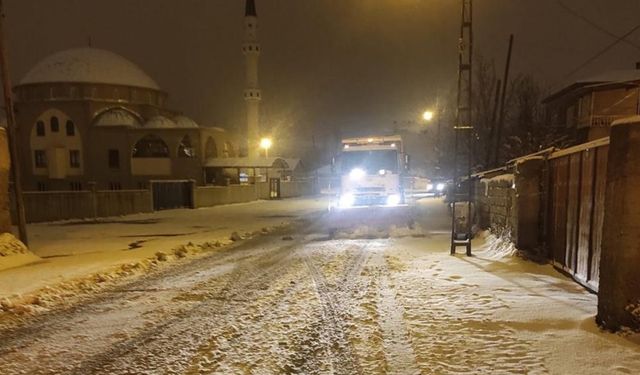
(371, 171)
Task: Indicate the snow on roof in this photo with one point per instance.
(88, 65)
(160, 122)
(257, 162)
(182, 121)
(627, 120)
(609, 77)
(116, 117)
(620, 75)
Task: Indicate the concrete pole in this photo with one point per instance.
(12, 132)
(619, 289)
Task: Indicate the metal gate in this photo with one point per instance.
(172, 194)
(576, 215)
(274, 188)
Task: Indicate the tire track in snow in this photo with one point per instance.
(343, 356)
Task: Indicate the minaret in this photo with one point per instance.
(252, 95)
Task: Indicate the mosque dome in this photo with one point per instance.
(88, 65)
(182, 121)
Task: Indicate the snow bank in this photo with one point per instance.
(14, 253)
(496, 247)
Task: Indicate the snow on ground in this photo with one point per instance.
(69, 257)
(309, 303)
(13, 253)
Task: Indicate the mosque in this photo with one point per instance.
(88, 115)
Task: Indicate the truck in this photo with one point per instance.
(371, 171)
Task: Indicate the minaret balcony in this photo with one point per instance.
(253, 48)
(252, 94)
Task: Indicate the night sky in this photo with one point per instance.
(326, 64)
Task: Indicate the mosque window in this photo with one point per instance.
(150, 146)
(71, 128)
(40, 158)
(40, 129)
(55, 124)
(185, 149)
(42, 186)
(74, 158)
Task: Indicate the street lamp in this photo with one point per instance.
(427, 115)
(265, 144)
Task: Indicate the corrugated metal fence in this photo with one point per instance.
(577, 181)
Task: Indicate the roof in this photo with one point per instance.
(598, 80)
(257, 162)
(117, 117)
(88, 65)
(250, 8)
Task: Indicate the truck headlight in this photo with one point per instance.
(357, 174)
(440, 186)
(429, 187)
(393, 200)
(346, 200)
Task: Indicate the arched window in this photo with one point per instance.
(55, 124)
(185, 150)
(151, 146)
(210, 149)
(228, 150)
(71, 128)
(40, 132)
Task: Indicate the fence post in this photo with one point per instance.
(528, 203)
(94, 199)
(619, 289)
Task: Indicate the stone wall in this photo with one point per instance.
(495, 201)
(207, 196)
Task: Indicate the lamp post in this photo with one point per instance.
(265, 144)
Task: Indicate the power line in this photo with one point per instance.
(574, 13)
(601, 52)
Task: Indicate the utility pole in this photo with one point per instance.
(502, 102)
(11, 130)
(492, 124)
(461, 227)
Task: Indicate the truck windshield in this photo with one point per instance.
(371, 161)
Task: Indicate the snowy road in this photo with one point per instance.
(311, 304)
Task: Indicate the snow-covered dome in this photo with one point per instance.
(89, 65)
(184, 122)
(116, 117)
(160, 122)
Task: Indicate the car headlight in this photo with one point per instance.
(346, 200)
(393, 200)
(357, 173)
(429, 187)
(440, 186)
(382, 172)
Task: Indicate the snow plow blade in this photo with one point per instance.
(371, 221)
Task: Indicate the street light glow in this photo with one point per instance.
(265, 143)
(427, 115)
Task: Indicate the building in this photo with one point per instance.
(588, 107)
(252, 93)
(89, 115)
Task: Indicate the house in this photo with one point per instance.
(588, 107)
